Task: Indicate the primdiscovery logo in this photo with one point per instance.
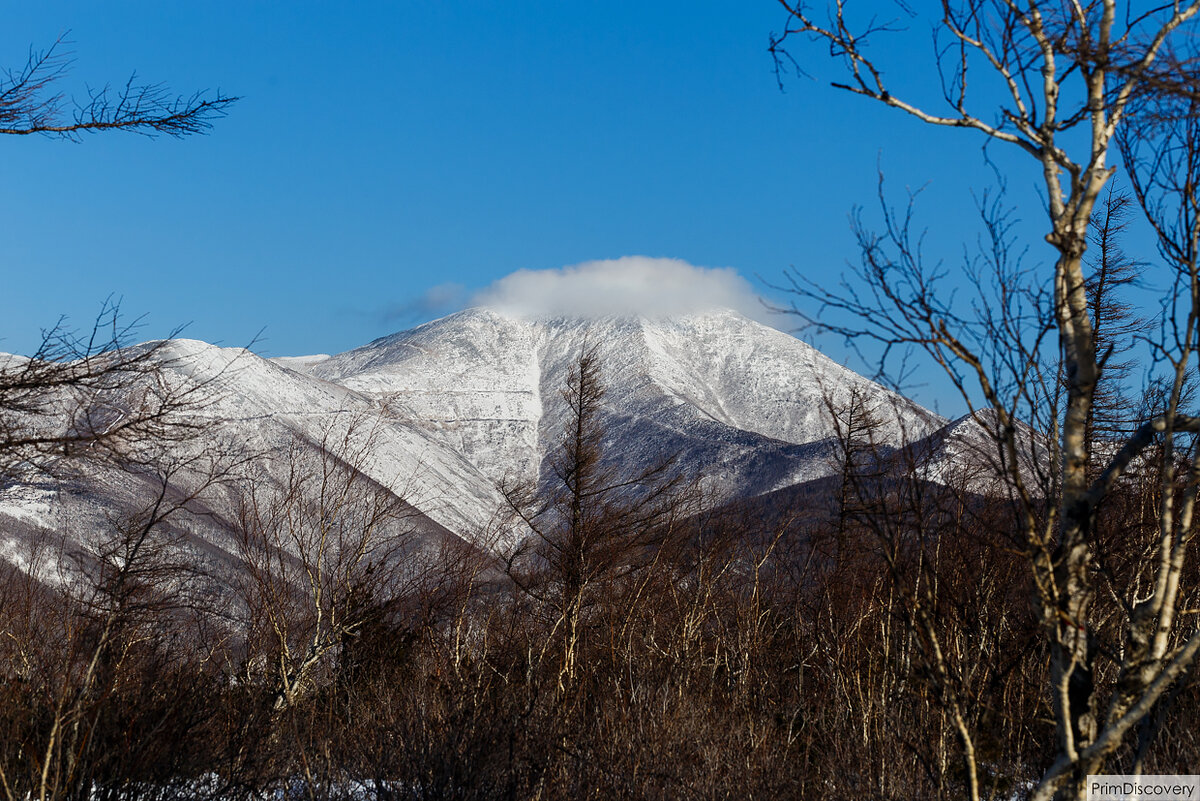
(1143, 788)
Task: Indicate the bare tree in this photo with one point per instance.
(594, 526)
(70, 393)
(30, 103)
(321, 543)
(96, 634)
(96, 395)
(1074, 78)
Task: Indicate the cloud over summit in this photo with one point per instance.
(631, 285)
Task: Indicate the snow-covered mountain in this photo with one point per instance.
(740, 402)
(461, 406)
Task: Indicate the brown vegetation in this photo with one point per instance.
(875, 638)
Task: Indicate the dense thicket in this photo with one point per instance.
(830, 643)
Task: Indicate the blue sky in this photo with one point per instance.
(385, 149)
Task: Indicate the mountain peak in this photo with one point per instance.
(733, 397)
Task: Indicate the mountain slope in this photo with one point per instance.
(248, 407)
(742, 403)
(453, 411)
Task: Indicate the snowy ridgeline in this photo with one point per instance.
(457, 408)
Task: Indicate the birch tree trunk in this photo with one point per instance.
(1076, 77)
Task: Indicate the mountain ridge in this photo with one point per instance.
(461, 408)
(742, 381)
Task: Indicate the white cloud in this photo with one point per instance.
(629, 285)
